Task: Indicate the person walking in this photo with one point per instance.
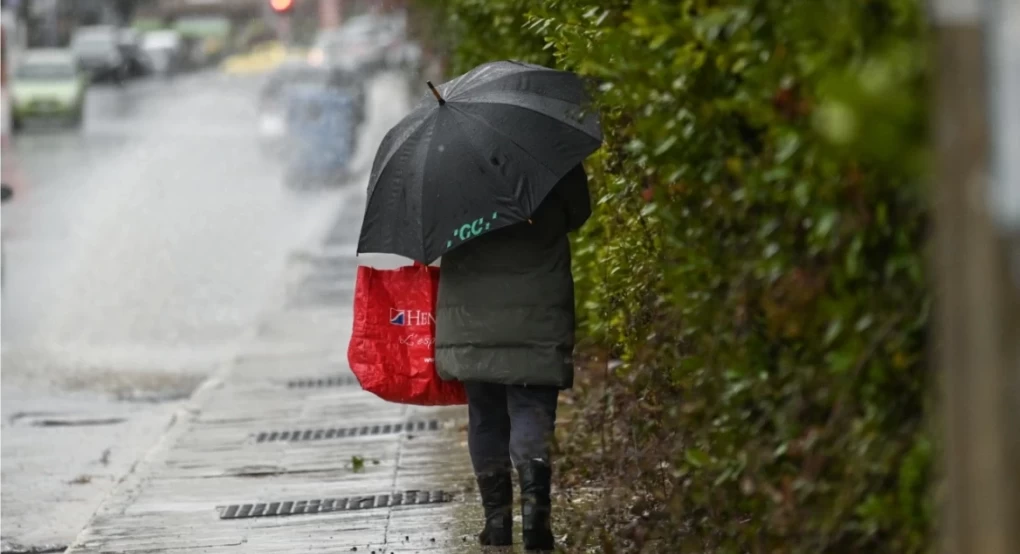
(487, 176)
(505, 328)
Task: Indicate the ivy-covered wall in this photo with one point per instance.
(755, 261)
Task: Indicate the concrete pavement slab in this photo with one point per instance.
(340, 443)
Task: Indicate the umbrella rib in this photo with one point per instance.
(481, 99)
(464, 86)
(509, 139)
(464, 82)
(421, 201)
(384, 168)
(404, 134)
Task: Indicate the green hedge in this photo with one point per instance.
(755, 260)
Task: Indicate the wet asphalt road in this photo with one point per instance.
(138, 252)
(148, 238)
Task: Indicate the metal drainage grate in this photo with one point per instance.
(326, 505)
(347, 432)
(323, 382)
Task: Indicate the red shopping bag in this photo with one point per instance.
(392, 348)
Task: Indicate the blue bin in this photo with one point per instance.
(321, 127)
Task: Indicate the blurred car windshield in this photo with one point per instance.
(161, 39)
(95, 42)
(45, 71)
(128, 37)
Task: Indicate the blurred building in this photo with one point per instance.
(50, 23)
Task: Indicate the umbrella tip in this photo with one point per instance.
(435, 93)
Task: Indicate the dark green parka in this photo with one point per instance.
(505, 312)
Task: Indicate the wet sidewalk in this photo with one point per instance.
(282, 451)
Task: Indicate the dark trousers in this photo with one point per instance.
(509, 423)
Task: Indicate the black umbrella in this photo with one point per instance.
(479, 153)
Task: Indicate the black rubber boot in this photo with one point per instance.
(536, 504)
(498, 500)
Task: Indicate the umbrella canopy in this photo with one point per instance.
(479, 153)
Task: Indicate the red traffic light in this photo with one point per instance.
(281, 6)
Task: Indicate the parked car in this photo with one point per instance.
(209, 36)
(360, 45)
(163, 51)
(98, 51)
(48, 84)
(130, 42)
(392, 37)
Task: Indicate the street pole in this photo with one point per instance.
(977, 305)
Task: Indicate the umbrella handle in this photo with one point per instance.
(435, 92)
